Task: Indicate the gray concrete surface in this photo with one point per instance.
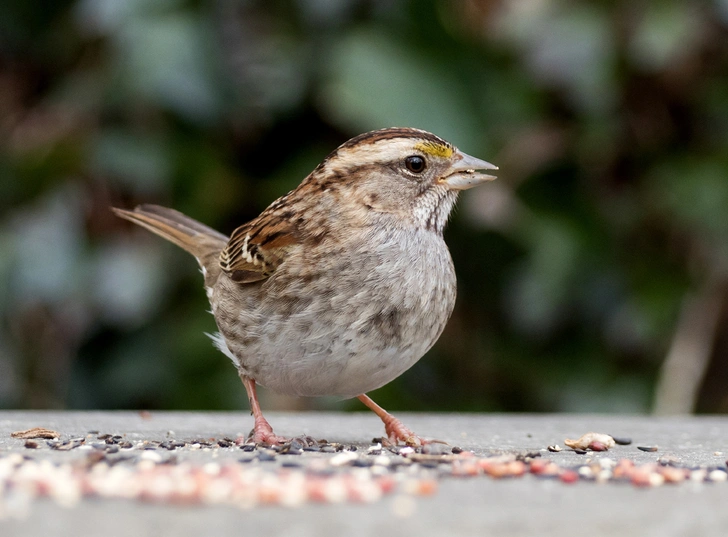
(462, 506)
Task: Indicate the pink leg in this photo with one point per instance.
(394, 428)
(262, 431)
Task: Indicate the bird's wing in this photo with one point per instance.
(257, 248)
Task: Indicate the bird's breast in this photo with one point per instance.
(345, 322)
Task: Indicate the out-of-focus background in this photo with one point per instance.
(593, 275)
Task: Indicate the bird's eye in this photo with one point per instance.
(415, 164)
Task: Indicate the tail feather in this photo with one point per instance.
(196, 238)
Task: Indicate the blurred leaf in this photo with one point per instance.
(695, 192)
(376, 81)
(128, 282)
(140, 162)
(166, 59)
(108, 16)
(566, 45)
(666, 34)
(47, 246)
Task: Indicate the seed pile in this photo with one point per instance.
(209, 471)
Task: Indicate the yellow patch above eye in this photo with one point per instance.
(434, 149)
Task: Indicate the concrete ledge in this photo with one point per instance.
(462, 506)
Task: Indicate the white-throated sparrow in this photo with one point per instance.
(342, 284)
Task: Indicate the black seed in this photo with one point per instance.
(224, 443)
(361, 463)
(290, 449)
(351, 448)
(290, 464)
(248, 447)
(649, 449)
(436, 449)
(112, 449)
(93, 432)
(30, 444)
(264, 456)
(126, 445)
(456, 450)
(580, 451)
(66, 446)
(622, 440)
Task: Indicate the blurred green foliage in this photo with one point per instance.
(609, 121)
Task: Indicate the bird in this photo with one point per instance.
(344, 283)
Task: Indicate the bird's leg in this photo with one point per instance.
(396, 431)
(262, 432)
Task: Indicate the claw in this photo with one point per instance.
(395, 430)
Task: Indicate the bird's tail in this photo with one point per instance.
(201, 241)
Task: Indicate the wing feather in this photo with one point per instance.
(256, 249)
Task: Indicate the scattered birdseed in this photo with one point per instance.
(343, 458)
(592, 441)
(266, 456)
(649, 449)
(36, 432)
(717, 475)
(330, 472)
(376, 449)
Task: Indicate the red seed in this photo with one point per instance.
(596, 445)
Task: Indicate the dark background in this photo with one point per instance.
(592, 275)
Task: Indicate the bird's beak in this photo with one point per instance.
(463, 175)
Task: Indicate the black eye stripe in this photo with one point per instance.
(415, 163)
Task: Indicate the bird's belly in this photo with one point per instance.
(356, 336)
(333, 366)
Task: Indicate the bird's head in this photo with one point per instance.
(401, 171)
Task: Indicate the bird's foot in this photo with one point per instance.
(397, 432)
(262, 433)
(395, 429)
